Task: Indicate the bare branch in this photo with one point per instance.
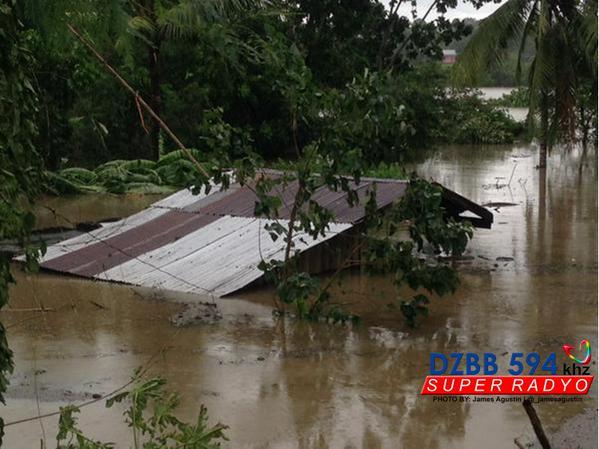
(138, 99)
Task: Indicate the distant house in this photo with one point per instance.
(449, 56)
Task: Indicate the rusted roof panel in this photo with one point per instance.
(210, 244)
(215, 260)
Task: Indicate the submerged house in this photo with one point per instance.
(212, 244)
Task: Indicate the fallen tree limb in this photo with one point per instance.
(98, 305)
(33, 309)
(536, 424)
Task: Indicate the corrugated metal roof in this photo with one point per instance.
(210, 244)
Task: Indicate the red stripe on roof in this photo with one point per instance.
(101, 256)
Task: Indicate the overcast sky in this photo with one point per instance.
(462, 11)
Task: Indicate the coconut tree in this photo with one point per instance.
(557, 68)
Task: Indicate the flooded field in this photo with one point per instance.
(529, 284)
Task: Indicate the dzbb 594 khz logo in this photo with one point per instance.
(527, 373)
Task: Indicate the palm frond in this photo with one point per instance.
(526, 33)
(231, 8)
(543, 65)
(185, 19)
(181, 21)
(487, 47)
(540, 75)
(588, 32)
(144, 29)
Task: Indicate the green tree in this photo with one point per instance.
(20, 174)
(563, 59)
(152, 24)
(150, 414)
(340, 39)
(346, 132)
(144, 40)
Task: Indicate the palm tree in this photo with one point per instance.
(152, 23)
(138, 30)
(558, 67)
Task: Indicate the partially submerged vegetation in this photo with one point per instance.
(344, 91)
(173, 170)
(517, 98)
(150, 414)
(474, 120)
(562, 76)
(20, 166)
(397, 131)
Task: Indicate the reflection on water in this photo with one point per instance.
(305, 385)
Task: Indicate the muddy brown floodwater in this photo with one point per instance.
(55, 211)
(529, 284)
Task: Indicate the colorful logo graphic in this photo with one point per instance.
(530, 373)
(584, 346)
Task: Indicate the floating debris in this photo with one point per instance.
(498, 204)
(197, 313)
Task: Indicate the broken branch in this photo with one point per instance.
(536, 424)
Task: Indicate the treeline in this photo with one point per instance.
(222, 74)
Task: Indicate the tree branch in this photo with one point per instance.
(138, 98)
(536, 424)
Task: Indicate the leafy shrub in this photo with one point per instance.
(391, 170)
(386, 254)
(379, 117)
(517, 98)
(150, 415)
(469, 119)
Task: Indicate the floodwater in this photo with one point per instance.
(53, 211)
(495, 93)
(287, 384)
